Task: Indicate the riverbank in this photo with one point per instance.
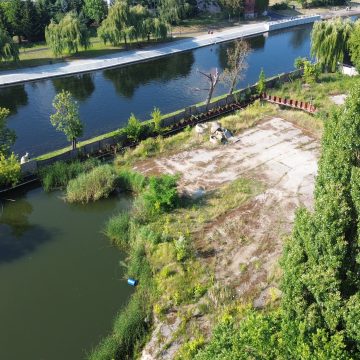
(137, 56)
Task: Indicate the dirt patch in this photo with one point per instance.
(244, 246)
(338, 99)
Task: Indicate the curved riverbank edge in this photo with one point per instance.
(137, 56)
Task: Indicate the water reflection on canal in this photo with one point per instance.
(61, 282)
(107, 98)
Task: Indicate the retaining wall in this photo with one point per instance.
(31, 167)
(301, 20)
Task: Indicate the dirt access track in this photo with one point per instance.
(247, 242)
(244, 245)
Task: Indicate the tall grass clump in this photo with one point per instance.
(58, 175)
(129, 328)
(131, 180)
(117, 230)
(99, 183)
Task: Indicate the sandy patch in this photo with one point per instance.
(244, 246)
(338, 99)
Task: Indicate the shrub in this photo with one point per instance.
(117, 229)
(161, 194)
(94, 185)
(156, 117)
(182, 248)
(299, 62)
(311, 72)
(58, 175)
(10, 170)
(133, 129)
(190, 349)
(261, 85)
(280, 6)
(131, 180)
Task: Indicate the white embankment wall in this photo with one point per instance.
(301, 20)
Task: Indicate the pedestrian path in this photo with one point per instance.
(135, 56)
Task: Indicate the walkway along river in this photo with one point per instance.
(107, 98)
(61, 281)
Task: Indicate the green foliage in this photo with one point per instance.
(161, 194)
(126, 22)
(182, 248)
(253, 336)
(7, 136)
(233, 7)
(311, 72)
(133, 130)
(67, 35)
(280, 6)
(172, 11)
(116, 26)
(131, 180)
(117, 230)
(10, 170)
(8, 49)
(354, 45)
(261, 84)
(190, 349)
(66, 118)
(329, 41)
(156, 118)
(95, 9)
(130, 326)
(99, 183)
(58, 175)
(261, 6)
(321, 261)
(299, 62)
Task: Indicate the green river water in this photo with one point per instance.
(61, 283)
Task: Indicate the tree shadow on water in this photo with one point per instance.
(18, 237)
(13, 248)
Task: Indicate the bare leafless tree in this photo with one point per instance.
(212, 79)
(237, 64)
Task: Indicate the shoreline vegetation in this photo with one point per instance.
(317, 95)
(159, 232)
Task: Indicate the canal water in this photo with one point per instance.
(107, 98)
(61, 282)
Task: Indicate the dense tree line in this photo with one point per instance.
(335, 41)
(319, 314)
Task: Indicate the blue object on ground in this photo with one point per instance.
(132, 282)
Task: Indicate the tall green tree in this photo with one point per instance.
(13, 10)
(321, 283)
(329, 41)
(354, 45)
(67, 36)
(29, 19)
(8, 49)
(66, 117)
(95, 10)
(172, 11)
(115, 27)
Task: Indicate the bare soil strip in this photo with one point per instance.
(244, 246)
